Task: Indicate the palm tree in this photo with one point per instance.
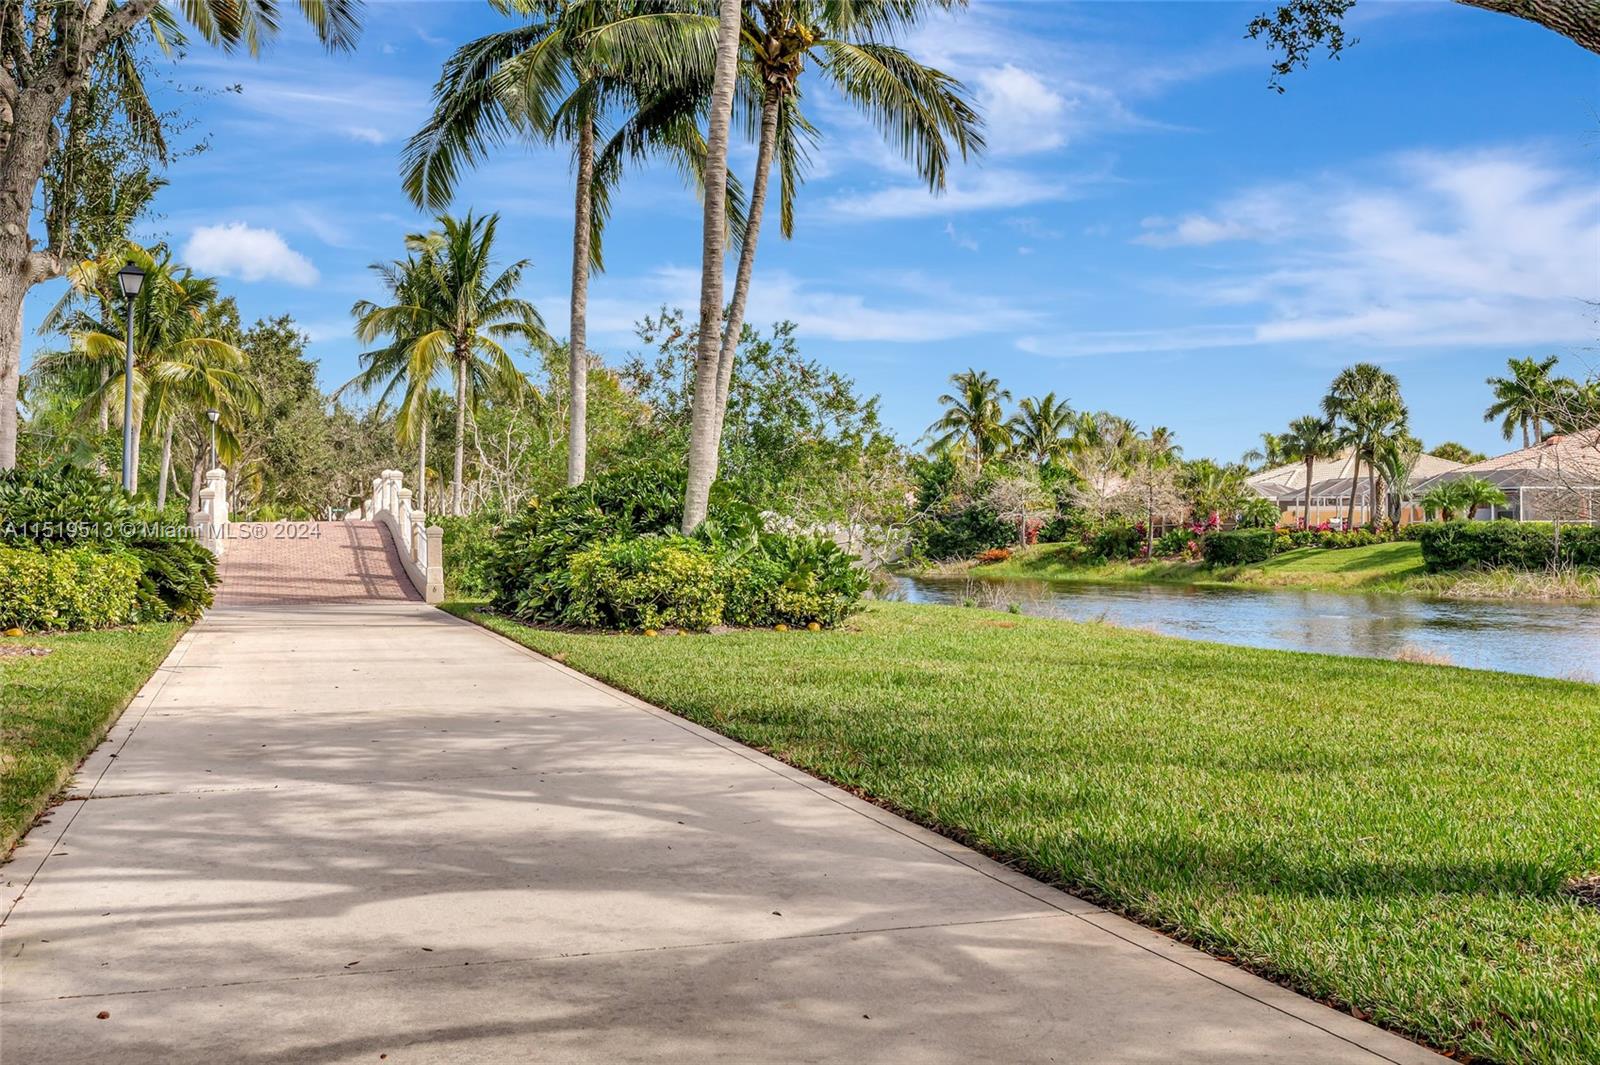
(402, 364)
(177, 367)
(1526, 398)
(922, 111)
(1474, 493)
(703, 439)
(1270, 453)
(973, 416)
(1396, 461)
(1364, 404)
(556, 79)
(451, 310)
(1041, 429)
(1309, 438)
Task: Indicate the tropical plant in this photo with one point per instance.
(453, 310)
(1451, 451)
(1041, 429)
(178, 366)
(703, 439)
(53, 52)
(561, 77)
(1364, 404)
(1397, 459)
(1271, 453)
(1462, 496)
(1157, 450)
(973, 419)
(922, 111)
(1309, 439)
(1527, 398)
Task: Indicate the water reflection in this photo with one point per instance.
(1544, 639)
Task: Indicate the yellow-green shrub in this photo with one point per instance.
(646, 583)
(67, 587)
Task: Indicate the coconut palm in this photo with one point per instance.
(1396, 461)
(452, 310)
(1527, 398)
(925, 113)
(1364, 404)
(1309, 438)
(177, 366)
(559, 78)
(1041, 429)
(973, 418)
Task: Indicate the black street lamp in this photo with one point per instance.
(130, 279)
(213, 415)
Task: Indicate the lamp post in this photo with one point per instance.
(213, 416)
(130, 279)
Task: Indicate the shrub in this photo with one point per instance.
(963, 533)
(648, 582)
(175, 579)
(1173, 542)
(1509, 544)
(1239, 547)
(67, 587)
(607, 554)
(468, 551)
(1115, 542)
(1258, 513)
(994, 554)
(66, 503)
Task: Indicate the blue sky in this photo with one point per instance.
(1153, 231)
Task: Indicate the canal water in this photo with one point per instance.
(1544, 639)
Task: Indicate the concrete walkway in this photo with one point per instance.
(371, 832)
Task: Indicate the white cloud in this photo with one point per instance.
(960, 240)
(1440, 249)
(1022, 114)
(981, 190)
(249, 254)
(366, 134)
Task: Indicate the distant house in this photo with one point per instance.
(1331, 487)
(1557, 479)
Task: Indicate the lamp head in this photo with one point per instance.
(213, 415)
(130, 279)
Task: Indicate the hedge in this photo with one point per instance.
(68, 587)
(1509, 544)
(1238, 547)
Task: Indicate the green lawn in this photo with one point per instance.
(1386, 836)
(55, 709)
(1380, 567)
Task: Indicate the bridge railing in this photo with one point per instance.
(210, 514)
(421, 545)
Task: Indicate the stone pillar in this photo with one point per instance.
(435, 573)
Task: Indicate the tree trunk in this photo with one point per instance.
(461, 433)
(1372, 495)
(166, 466)
(196, 480)
(747, 258)
(1526, 443)
(422, 464)
(12, 288)
(1305, 519)
(1150, 523)
(703, 442)
(577, 339)
(1355, 484)
(1578, 22)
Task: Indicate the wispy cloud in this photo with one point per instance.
(249, 254)
(979, 190)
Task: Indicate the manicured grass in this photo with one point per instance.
(1389, 837)
(55, 709)
(1380, 567)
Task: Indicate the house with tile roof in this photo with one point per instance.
(1331, 488)
(1557, 479)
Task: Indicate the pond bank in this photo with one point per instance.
(1393, 567)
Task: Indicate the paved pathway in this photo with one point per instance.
(310, 562)
(367, 831)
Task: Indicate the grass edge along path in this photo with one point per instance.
(57, 708)
(1387, 837)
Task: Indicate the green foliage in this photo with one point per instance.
(1258, 513)
(1510, 544)
(62, 503)
(649, 582)
(1239, 547)
(1115, 541)
(67, 587)
(605, 554)
(963, 533)
(468, 555)
(175, 579)
(1174, 542)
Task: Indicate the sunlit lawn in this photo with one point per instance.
(1376, 567)
(1381, 835)
(55, 709)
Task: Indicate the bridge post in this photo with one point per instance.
(213, 510)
